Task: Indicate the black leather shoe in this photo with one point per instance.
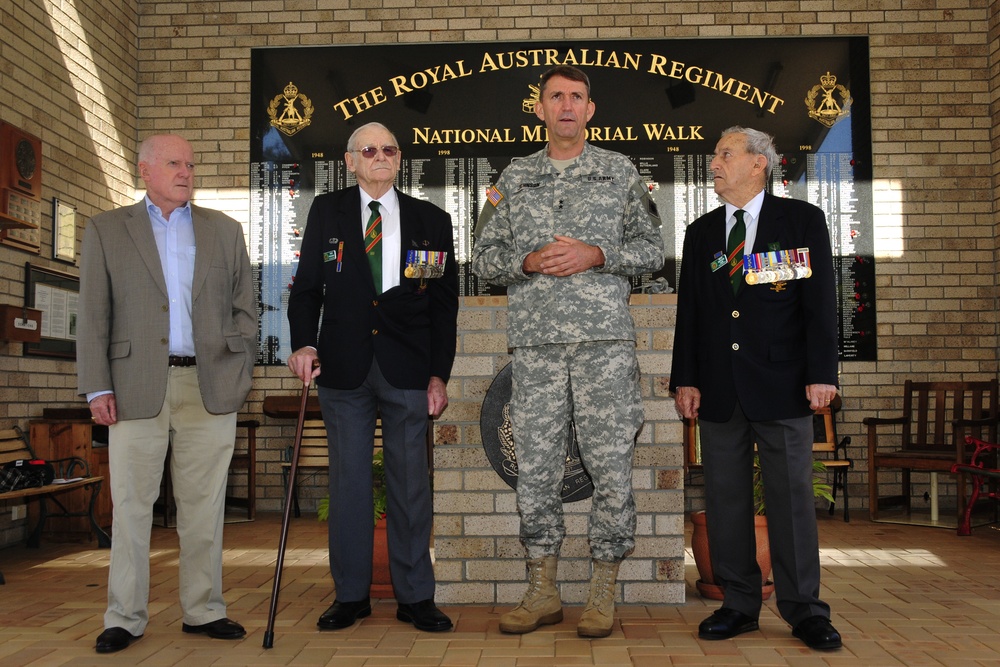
(424, 615)
(818, 632)
(726, 623)
(220, 629)
(114, 639)
(344, 614)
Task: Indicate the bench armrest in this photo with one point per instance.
(841, 448)
(882, 421)
(69, 467)
(982, 448)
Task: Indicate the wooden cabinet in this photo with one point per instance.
(60, 438)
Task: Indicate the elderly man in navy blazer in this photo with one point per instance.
(380, 267)
(754, 356)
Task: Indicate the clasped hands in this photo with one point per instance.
(565, 256)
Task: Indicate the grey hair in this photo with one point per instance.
(758, 143)
(353, 140)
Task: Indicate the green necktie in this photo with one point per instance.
(734, 251)
(373, 244)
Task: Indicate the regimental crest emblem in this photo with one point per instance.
(528, 103)
(829, 101)
(290, 120)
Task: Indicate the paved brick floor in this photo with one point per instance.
(901, 595)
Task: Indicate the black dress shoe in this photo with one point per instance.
(424, 615)
(817, 632)
(114, 639)
(726, 623)
(344, 614)
(220, 629)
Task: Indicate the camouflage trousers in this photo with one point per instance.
(594, 385)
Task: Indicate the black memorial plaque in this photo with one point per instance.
(463, 111)
(498, 441)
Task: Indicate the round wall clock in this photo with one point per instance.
(25, 159)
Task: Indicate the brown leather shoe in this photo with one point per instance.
(114, 639)
(223, 628)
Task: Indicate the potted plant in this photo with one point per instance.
(699, 537)
(378, 493)
(381, 580)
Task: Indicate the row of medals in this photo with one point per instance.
(778, 273)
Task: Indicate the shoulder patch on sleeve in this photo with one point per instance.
(493, 195)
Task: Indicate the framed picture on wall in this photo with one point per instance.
(63, 231)
(57, 295)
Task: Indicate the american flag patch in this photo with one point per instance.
(493, 195)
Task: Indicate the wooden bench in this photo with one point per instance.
(983, 468)
(826, 448)
(833, 452)
(313, 452)
(929, 436)
(313, 455)
(244, 460)
(14, 446)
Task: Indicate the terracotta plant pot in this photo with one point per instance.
(381, 580)
(699, 545)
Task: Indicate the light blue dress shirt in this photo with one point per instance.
(175, 242)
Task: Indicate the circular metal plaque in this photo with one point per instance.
(498, 441)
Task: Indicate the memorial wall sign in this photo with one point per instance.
(463, 111)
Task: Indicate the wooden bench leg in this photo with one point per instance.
(847, 501)
(965, 526)
(103, 540)
(35, 538)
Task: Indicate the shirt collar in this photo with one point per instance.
(157, 214)
(752, 207)
(388, 201)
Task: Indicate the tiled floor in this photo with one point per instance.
(900, 595)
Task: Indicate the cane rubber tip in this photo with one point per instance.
(268, 640)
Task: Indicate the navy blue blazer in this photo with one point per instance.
(409, 329)
(764, 345)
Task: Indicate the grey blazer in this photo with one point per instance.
(123, 323)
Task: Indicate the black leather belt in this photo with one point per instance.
(181, 361)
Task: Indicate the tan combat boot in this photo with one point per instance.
(599, 614)
(541, 604)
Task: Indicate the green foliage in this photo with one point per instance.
(378, 491)
(820, 488)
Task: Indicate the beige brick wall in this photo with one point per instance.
(91, 78)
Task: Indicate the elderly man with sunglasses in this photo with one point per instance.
(378, 267)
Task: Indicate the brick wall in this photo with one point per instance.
(91, 78)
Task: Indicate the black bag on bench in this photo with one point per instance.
(25, 474)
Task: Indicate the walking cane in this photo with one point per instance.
(269, 632)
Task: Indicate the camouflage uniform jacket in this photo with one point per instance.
(599, 200)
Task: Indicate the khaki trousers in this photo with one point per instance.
(201, 450)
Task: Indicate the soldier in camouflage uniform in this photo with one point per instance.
(562, 230)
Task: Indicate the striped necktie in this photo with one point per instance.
(734, 251)
(373, 244)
